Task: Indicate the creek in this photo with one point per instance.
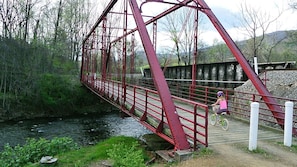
(84, 130)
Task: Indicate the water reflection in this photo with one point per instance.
(84, 130)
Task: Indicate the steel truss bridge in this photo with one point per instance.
(108, 57)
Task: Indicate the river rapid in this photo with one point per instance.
(85, 130)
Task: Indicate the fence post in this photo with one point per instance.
(288, 123)
(256, 65)
(254, 126)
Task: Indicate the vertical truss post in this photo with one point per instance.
(124, 51)
(177, 132)
(155, 35)
(93, 58)
(118, 65)
(132, 58)
(103, 49)
(88, 57)
(83, 63)
(194, 64)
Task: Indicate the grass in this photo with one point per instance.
(84, 156)
(293, 147)
(258, 151)
(205, 152)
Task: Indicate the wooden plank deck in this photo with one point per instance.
(238, 132)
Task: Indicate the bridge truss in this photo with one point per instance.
(109, 53)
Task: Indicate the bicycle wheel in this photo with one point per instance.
(213, 119)
(225, 124)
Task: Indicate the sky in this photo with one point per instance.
(228, 12)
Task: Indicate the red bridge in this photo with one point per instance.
(108, 58)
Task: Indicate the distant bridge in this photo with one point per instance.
(220, 74)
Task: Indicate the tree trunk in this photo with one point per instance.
(27, 18)
(58, 21)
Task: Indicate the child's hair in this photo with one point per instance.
(220, 93)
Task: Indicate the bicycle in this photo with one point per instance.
(219, 119)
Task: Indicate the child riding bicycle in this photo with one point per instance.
(220, 106)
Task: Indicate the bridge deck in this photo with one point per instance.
(238, 132)
(152, 107)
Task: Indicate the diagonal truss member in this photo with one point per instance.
(177, 132)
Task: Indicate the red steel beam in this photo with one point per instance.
(132, 57)
(177, 132)
(103, 49)
(172, 9)
(195, 52)
(155, 35)
(124, 52)
(277, 112)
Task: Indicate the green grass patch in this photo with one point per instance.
(293, 147)
(205, 152)
(126, 155)
(258, 151)
(120, 150)
(261, 152)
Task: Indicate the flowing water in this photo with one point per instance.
(84, 130)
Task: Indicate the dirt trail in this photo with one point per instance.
(270, 154)
(237, 155)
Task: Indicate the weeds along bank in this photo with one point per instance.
(121, 150)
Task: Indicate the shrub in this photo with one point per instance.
(33, 150)
(126, 155)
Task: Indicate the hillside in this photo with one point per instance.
(277, 46)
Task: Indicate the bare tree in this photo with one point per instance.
(28, 11)
(8, 17)
(58, 20)
(293, 4)
(255, 23)
(180, 25)
(172, 26)
(75, 16)
(293, 35)
(16, 17)
(165, 58)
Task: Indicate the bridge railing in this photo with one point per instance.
(238, 101)
(145, 105)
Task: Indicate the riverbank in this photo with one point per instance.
(55, 96)
(130, 151)
(83, 129)
(118, 150)
(17, 115)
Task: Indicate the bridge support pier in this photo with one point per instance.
(182, 155)
(177, 156)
